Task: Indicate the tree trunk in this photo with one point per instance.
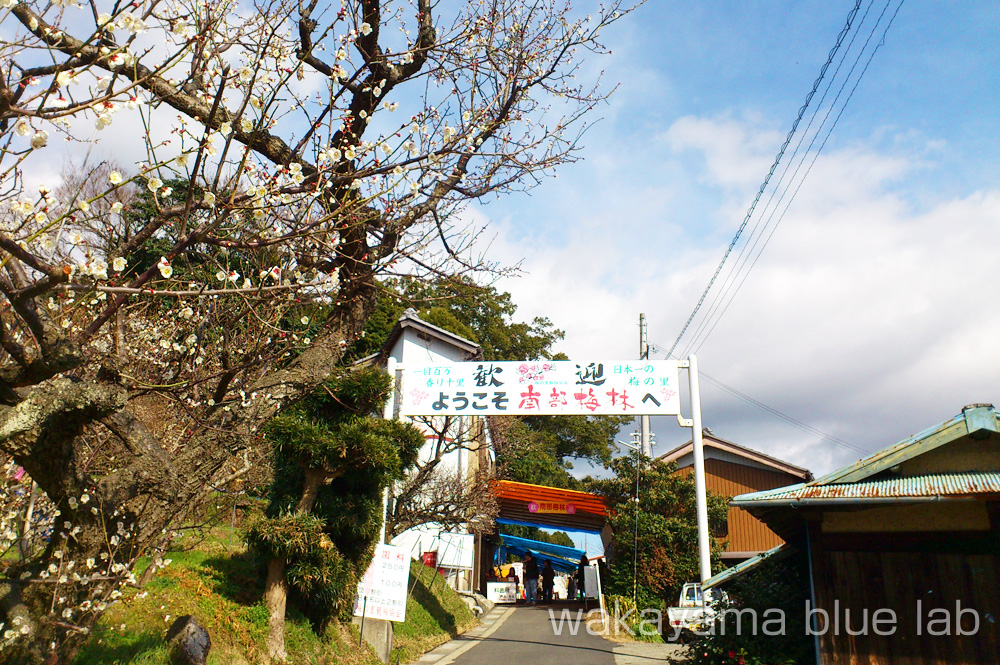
(310, 489)
(276, 595)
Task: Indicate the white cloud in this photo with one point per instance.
(867, 316)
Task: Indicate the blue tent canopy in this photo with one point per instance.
(564, 559)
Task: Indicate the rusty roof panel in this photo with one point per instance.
(944, 485)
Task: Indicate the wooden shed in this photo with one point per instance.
(911, 533)
(732, 469)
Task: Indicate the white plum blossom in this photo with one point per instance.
(65, 77)
(154, 184)
(166, 270)
(40, 138)
(115, 177)
(98, 270)
(365, 29)
(118, 263)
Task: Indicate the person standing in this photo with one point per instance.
(530, 570)
(581, 576)
(548, 581)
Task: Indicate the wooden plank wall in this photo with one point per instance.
(746, 532)
(854, 584)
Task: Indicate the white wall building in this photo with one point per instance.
(412, 342)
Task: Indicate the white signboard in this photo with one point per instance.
(554, 387)
(382, 591)
(590, 582)
(501, 592)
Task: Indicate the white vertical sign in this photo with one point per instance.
(382, 591)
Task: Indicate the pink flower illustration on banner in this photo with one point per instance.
(668, 394)
(526, 372)
(570, 509)
(418, 396)
(532, 507)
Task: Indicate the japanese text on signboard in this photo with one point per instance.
(382, 591)
(560, 387)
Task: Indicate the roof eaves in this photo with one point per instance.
(410, 319)
(738, 449)
(972, 419)
(930, 487)
(780, 552)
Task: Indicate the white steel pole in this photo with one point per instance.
(389, 413)
(701, 500)
(645, 448)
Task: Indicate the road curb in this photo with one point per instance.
(448, 651)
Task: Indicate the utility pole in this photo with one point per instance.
(645, 448)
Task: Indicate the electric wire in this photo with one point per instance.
(794, 422)
(777, 160)
(805, 427)
(756, 230)
(693, 348)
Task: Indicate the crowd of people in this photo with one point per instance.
(545, 577)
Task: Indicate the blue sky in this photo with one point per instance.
(869, 314)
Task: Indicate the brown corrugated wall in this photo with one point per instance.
(746, 532)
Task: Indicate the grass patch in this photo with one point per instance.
(435, 613)
(631, 618)
(224, 591)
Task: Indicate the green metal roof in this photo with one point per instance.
(857, 482)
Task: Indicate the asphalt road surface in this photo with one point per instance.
(530, 635)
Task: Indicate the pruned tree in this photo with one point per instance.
(266, 186)
(334, 444)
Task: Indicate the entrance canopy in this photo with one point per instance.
(551, 507)
(563, 559)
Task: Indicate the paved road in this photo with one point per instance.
(533, 636)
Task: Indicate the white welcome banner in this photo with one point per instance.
(554, 387)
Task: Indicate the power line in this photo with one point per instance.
(756, 231)
(777, 160)
(702, 335)
(805, 427)
(809, 429)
